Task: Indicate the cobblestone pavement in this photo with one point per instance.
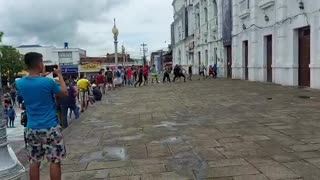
(213, 129)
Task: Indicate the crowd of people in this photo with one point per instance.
(140, 75)
(48, 103)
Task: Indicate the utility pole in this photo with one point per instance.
(144, 53)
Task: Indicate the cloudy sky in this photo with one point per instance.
(87, 24)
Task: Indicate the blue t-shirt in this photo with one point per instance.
(37, 93)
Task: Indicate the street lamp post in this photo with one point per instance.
(115, 32)
(10, 167)
(124, 58)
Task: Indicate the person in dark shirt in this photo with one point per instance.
(101, 81)
(166, 75)
(140, 77)
(190, 73)
(66, 103)
(96, 93)
(178, 73)
(13, 94)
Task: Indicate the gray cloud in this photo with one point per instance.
(52, 21)
(86, 23)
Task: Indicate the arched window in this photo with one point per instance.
(205, 15)
(215, 8)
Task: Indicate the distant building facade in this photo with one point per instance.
(90, 66)
(55, 56)
(197, 34)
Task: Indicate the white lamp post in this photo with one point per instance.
(124, 58)
(10, 167)
(115, 32)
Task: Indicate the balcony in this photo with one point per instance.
(244, 9)
(264, 4)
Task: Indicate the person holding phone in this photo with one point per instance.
(43, 133)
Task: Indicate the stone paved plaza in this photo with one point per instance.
(213, 129)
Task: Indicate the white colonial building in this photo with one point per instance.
(197, 34)
(55, 56)
(182, 33)
(277, 41)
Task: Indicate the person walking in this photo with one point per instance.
(190, 73)
(140, 77)
(154, 74)
(202, 69)
(68, 102)
(166, 74)
(135, 73)
(12, 116)
(215, 70)
(211, 72)
(44, 135)
(146, 74)
(130, 76)
(110, 76)
(13, 94)
(101, 81)
(83, 86)
(178, 73)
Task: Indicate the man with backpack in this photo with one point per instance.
(109, 76)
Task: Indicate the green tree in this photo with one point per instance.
(11, 63)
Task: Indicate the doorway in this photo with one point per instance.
(245, 55)
(268, 51)
(229, 61)
(304, 57)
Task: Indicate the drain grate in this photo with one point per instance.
(269, 98)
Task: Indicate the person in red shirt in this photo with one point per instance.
(101, 81)
(129, 76)
(145, 74)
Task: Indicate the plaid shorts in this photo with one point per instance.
(45, 143)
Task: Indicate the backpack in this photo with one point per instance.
(118, 73)
(109, 74)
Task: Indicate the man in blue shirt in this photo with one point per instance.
(43, 133)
